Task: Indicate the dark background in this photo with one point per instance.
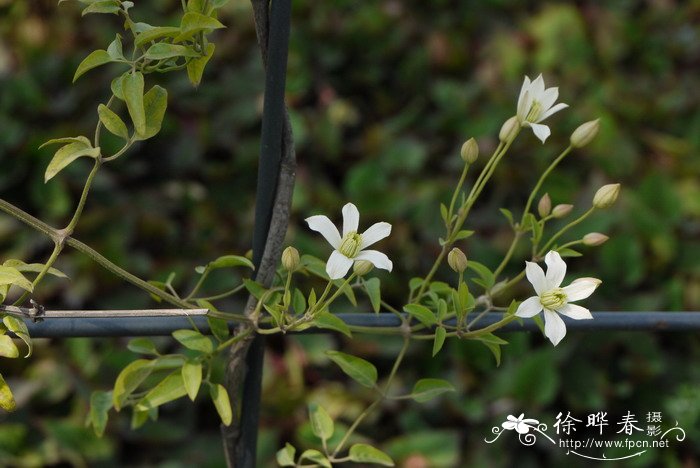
(382, 94)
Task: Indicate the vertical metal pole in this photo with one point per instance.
(268, 172)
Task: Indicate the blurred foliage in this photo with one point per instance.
(382, 94)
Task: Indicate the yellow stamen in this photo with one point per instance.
(350, 245)
(553, 299)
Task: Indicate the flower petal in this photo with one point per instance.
(508, 425)
(337, 265)
(537, 88)
(541, 131)
(377, 259)
(556, 269)
(375, 233)
(327, 229)
(535, 275)
(581, 288)
(575, 312)
(552, 111)
(554, 327)
(529, 307)
(351, 218)
(523, 97)
(548, 98)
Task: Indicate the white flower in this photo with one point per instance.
(552, 298)
(351, 247)
(536, 104)
(522, 426)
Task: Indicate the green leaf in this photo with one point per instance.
(139, 418)
(347, 291)
(230, 261)
(7, 400)
(170, 388)
(94, 60)
(222, 403)
(254, 288)
(427, 389)
(495, 350)
(276, 312)
(508, 215)
(116, 87)
(321, 422)
(112, 122)
(493, 343)
(195, 67)
(442, 309)
(566, 252)
(115, 49)
(192, 377)
(19, 328)
(316, 457)
(66, 155)
(8, 348)
(100, 404)
(192, 339)
(219, 328)
(329, 321)
(78, 139)
(421, 313)
(357, 368)
(129, 380)
(363, 453)
(132, 89)
(285, 456)
(155, 33)
(373, 287)
(33, 268)
(162, 51)
(463, 234)
(440, 333)
(104, 6)
(484, 273)
(142, 346)
(443, 212)
(298, 302)
(315, 266)
(415, 283)
(12, 276)
(155, 103)
(192, 23)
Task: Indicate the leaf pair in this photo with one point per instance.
(72, 149)
(146, 110)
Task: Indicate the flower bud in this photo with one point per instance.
(362, 267)
(470, 151)
(606, 196)
(544, 207)
(593, 239)
(562, 210)
(457, 260)
(290, 259)
(509, 130)
(585, 133)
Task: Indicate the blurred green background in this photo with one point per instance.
(382, 94)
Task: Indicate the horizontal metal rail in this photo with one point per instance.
(57, 325)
